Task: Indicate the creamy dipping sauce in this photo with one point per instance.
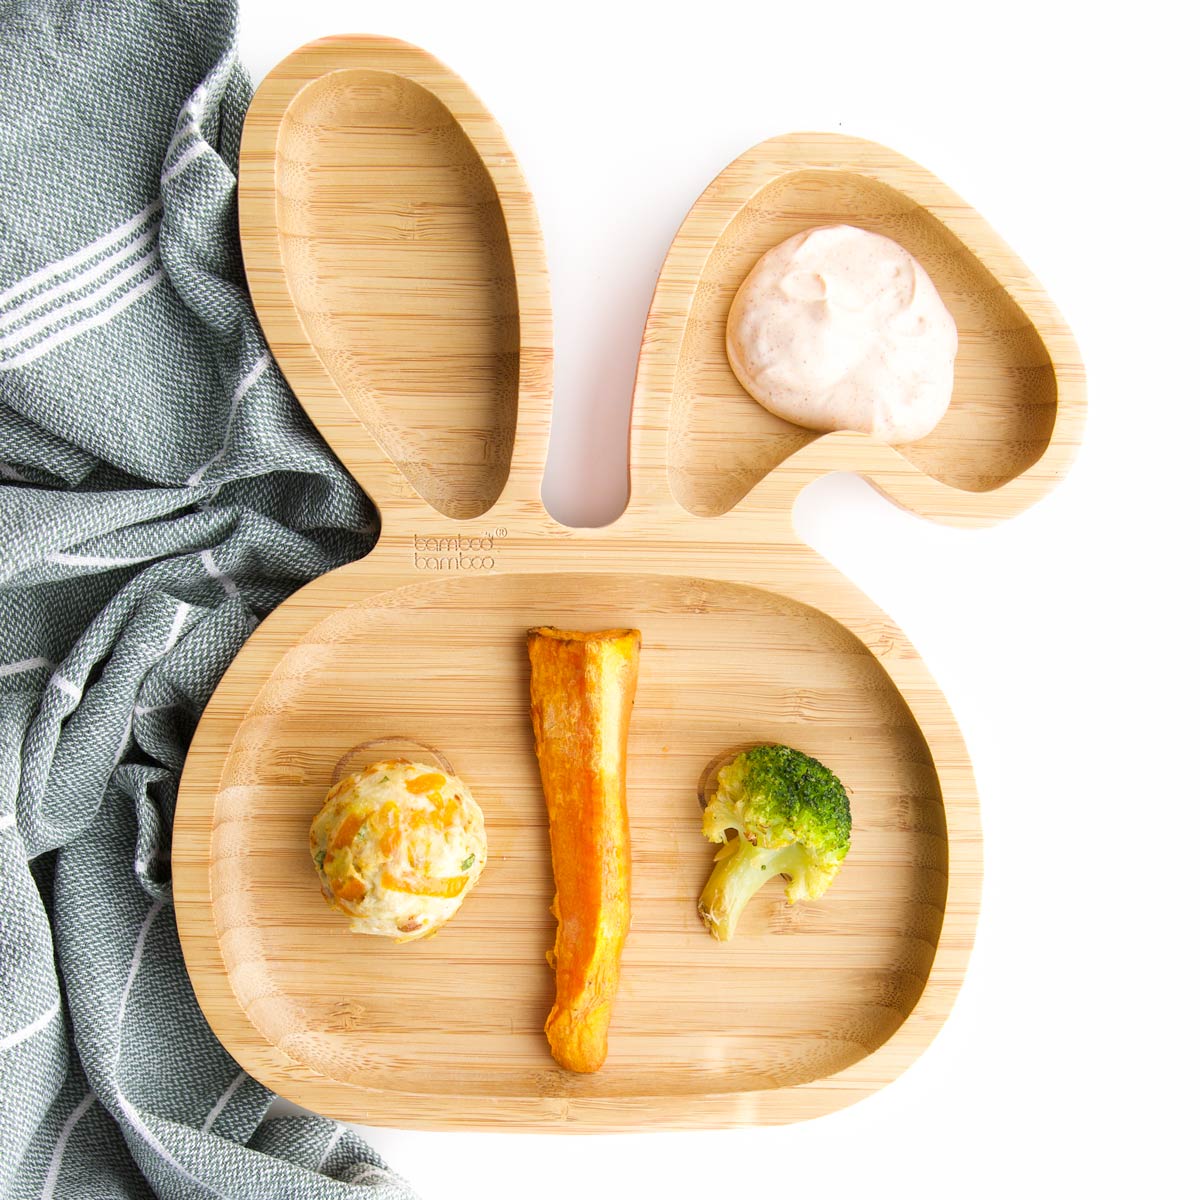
(840, 328)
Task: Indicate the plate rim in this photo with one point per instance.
(287, 625)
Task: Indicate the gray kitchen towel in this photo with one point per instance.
(160, 490)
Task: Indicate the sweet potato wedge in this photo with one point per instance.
(581, 690)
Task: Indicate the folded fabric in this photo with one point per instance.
(160, 491)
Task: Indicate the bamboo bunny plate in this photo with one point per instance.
(396, 263)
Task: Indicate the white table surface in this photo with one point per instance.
(1064, 640)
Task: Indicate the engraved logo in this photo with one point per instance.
(456, 553)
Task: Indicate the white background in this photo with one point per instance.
(1065, 640)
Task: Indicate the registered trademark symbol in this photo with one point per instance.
(500, 533)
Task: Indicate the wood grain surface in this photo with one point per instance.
(395, 260)
(1016, 416)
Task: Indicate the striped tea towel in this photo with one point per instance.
(160, 490)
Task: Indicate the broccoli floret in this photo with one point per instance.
(792, 818)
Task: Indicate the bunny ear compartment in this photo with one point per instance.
(396, 263)
(1016, 413)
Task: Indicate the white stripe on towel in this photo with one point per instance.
(64, 265)
(177, 624)
(134, 1118)
(247, 382)
(199, 98)
(8, 821)
(369, 1171)
(76, 282)
(222, 1100)
(211, 568)
(66, 686)
(190, 156)
(88, 300)
(15, 1039)
(181, 135)
(143, 862)
(131, 1114)
(59, 1146)
(333, 1141)
(135, 963)
(26, 664)
(38, 349)
(95, 560)
(194, 111)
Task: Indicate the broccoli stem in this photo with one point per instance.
(734, 880)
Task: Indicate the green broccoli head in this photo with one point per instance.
(792, 817)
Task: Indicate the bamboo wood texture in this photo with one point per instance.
(395, 260)
(1016, 416)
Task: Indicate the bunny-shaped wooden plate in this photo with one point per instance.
(396, 263)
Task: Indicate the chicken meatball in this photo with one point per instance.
(397, 847)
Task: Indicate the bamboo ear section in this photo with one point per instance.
(396, 264)
(1017, 413)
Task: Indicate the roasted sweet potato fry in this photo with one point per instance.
(581, 688)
